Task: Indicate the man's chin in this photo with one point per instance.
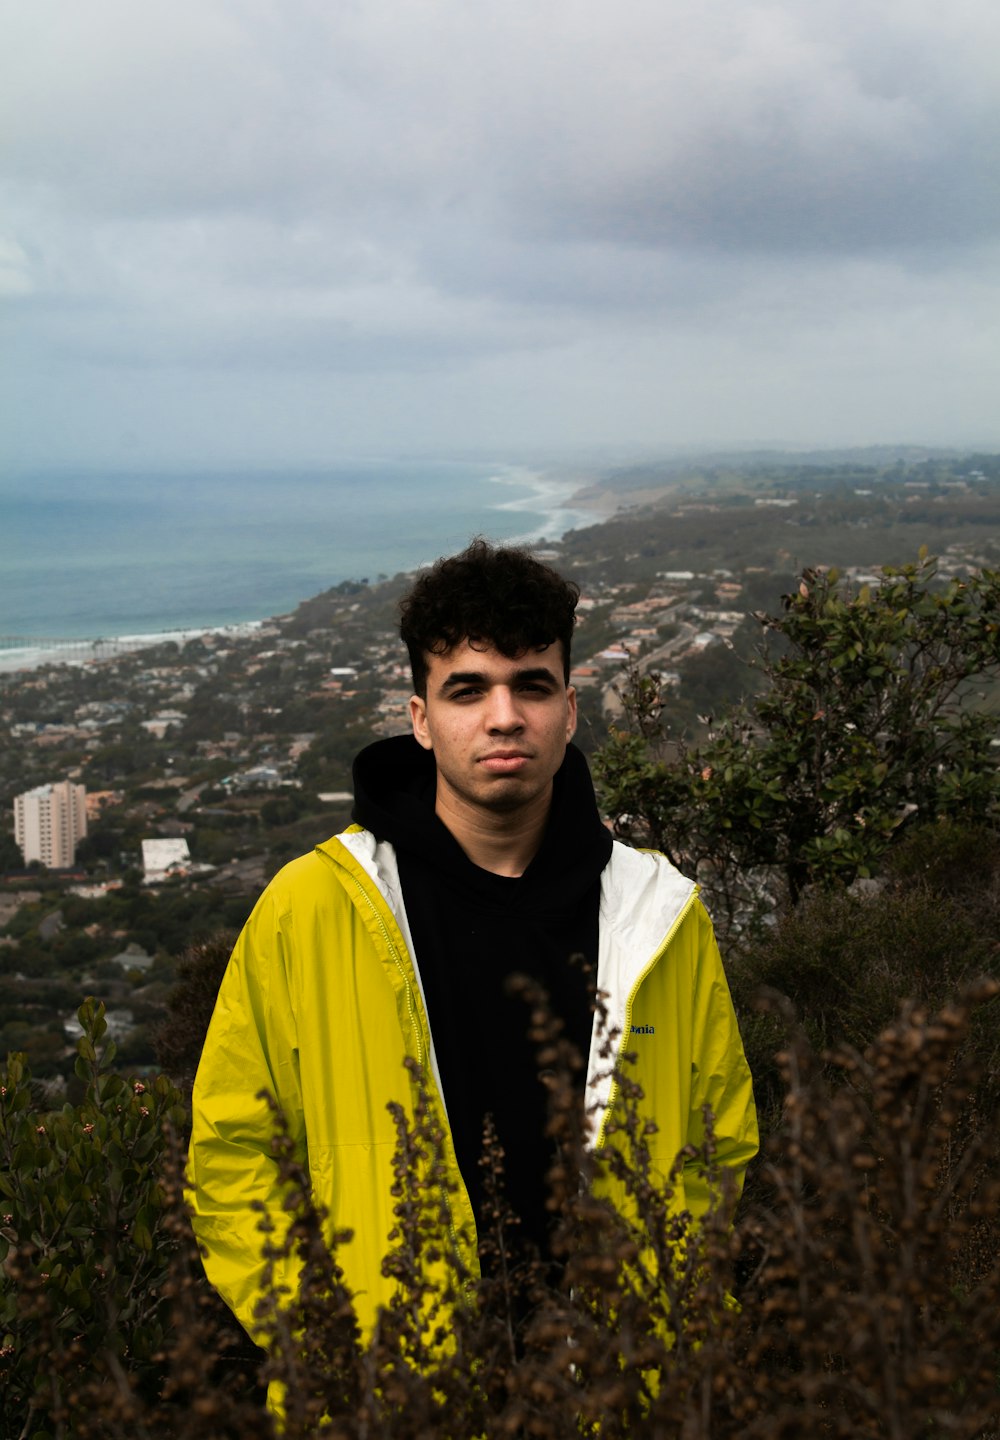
(506, 794)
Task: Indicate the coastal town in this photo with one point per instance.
(149, 795)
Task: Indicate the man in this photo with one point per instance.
(478, 851)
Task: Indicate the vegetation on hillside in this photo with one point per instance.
(844, 820)
(865, 1268)
(871, 721)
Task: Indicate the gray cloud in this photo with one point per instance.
(520, 222)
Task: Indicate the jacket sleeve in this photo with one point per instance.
(721, 1080)
(233, 1175)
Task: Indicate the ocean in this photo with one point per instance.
(88, 556)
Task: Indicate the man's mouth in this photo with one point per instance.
(504, 762)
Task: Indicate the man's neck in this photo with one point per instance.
(503, 842)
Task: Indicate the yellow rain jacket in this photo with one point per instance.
(322, 1003)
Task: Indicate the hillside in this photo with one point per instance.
(241, 745)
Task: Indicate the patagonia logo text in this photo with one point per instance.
(642, 1030)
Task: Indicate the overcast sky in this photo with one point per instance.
(297, 231)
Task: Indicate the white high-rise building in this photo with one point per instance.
(48, 821)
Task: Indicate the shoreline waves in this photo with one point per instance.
(561, 501)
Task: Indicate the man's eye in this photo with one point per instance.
(468, 692)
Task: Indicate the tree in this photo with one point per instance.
(180, 1038)
(10, 853)
(870, 720)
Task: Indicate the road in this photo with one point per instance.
(663, 657)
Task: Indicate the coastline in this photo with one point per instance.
(16, 659)
(567, 502)
(563, 501)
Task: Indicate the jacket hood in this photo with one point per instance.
(394, 789)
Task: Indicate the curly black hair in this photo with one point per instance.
(489, 595)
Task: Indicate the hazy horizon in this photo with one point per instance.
(592, 464)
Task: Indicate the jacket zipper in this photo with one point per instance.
(411, 1009)
(627, 1024)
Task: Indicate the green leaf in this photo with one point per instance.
(141, 1236)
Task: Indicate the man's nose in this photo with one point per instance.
(504, 713)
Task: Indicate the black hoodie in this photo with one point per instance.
(471, 931)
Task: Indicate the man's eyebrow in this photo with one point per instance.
(457, 678)
(538, 672)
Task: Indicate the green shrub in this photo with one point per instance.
(843, 959)
(83, 1240)
(868, 725)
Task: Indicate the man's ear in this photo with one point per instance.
(571, 712)
(418, 719)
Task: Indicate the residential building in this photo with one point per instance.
(48, 822)
(163, 858)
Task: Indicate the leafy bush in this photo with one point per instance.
(868, 724)
(83, 1239)
(842, 959)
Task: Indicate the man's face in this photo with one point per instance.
(498, 727)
